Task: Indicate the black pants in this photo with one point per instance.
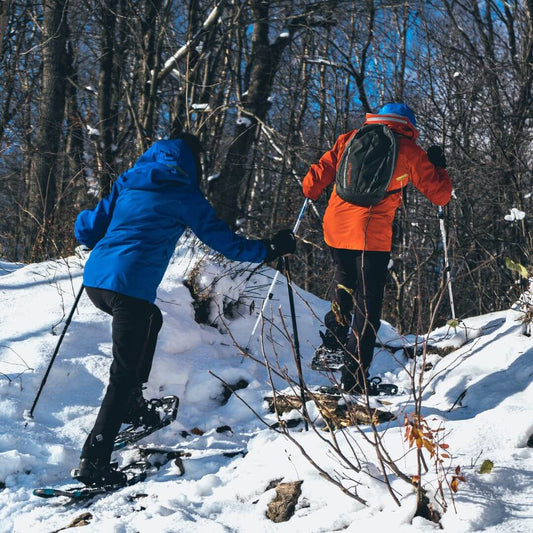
(357, 301)
(136, 324)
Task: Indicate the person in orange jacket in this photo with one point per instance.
(360, 240)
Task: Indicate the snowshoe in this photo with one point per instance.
(328, 359)
(94, 473)
(374, 388)
(116, 478)
(167, 406)
(389, 389)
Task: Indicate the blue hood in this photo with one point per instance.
(164, 163)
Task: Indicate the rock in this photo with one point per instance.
(282, 507)
(486, 467)
(229, 388)
(274, 483)
(81, 520)
(336, 415)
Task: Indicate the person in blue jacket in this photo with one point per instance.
(132, 234)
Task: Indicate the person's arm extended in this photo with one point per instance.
(201, 218)
(91, 224)
(322, 174)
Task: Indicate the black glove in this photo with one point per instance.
(436, 156)
(282, 243)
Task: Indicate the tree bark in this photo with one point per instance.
(263, 64)
(4, 19)
(106, 111)
(42, 186)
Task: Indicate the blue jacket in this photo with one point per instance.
(134, 230)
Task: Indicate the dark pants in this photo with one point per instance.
(136, 324)
(357, 301)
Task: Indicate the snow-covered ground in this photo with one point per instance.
(481, 393)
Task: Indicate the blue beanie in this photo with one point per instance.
(398, 109)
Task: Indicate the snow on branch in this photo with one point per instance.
(515, 215)
(172, 62)
(322, 61)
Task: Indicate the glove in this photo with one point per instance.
(436, 156)
(283, 242)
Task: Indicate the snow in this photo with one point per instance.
(200, 107)
(244, 121)
(515, 214)
(93, 132)
(481, 393)
(7, 268)
(322, 61)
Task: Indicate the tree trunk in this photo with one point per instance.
(263, 64)
(106, 112)
(74, 187)
(42, 183)
(151, 26)
(4, 18)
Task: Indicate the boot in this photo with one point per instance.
(140, 412)
(353, 382)
(98, 473)
(349, 386)
(334, 340)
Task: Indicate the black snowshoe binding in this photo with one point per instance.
(95, 473)
(140, 411)
(157, 414)
(382, 388)
(329, 356)
(374, 387)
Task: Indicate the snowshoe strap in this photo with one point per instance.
(386, 388)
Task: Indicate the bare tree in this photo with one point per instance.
(42, 186)
(106, 91)
(4, 18)
(269, 86)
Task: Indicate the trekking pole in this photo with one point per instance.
(285, 265)
(447, 267)
(271, 289)
(29, 414)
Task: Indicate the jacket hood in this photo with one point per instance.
(164, 163)
(397, 123)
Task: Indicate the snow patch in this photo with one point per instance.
(515, 215)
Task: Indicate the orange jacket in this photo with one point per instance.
(370, 228)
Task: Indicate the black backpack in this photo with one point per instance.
(366, 166)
